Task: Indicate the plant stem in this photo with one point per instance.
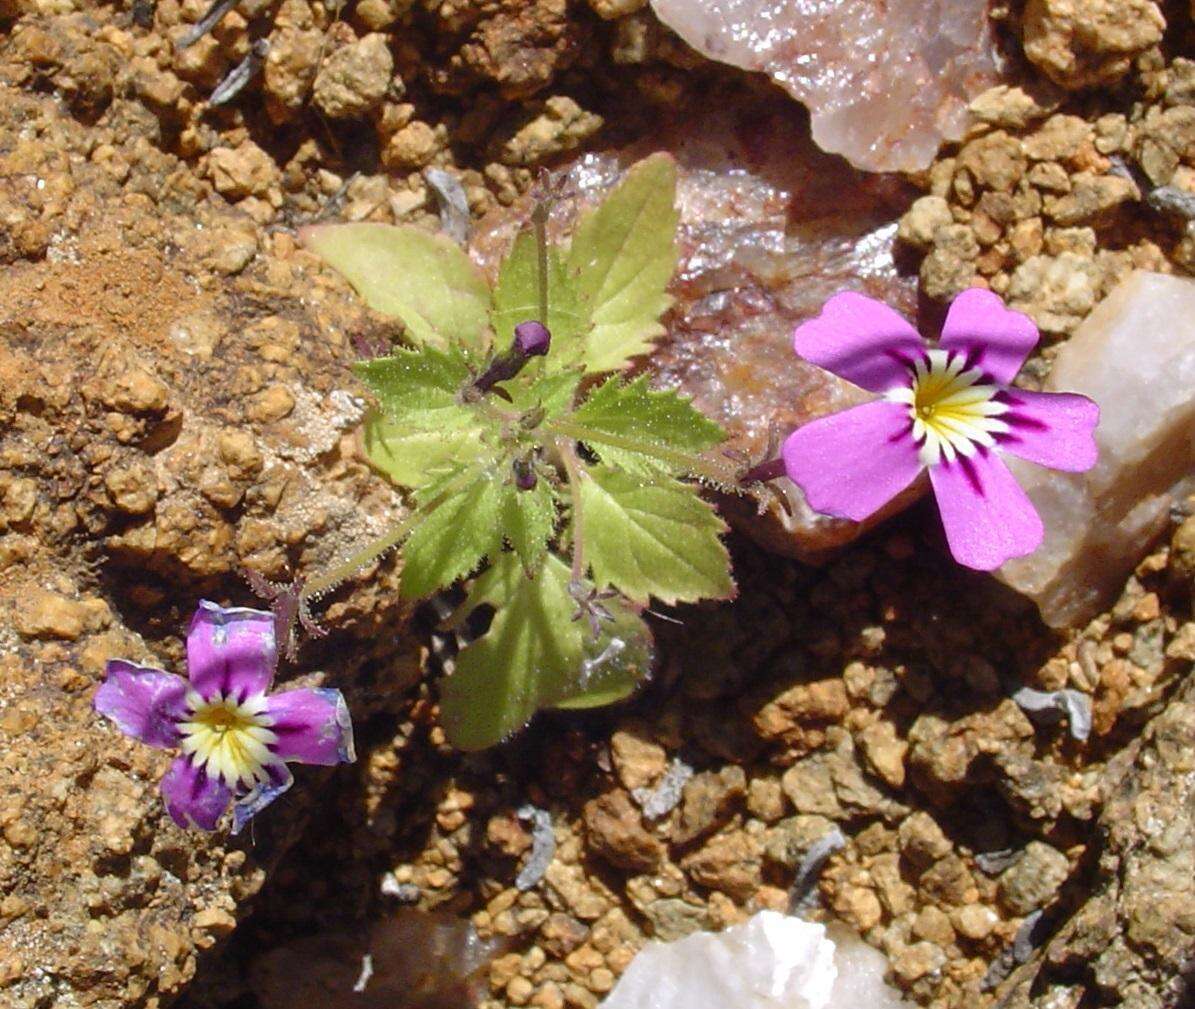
(572, 468)
(539, 218)
(495, 412)
(719, 471)
(317, 586)
(770, 469)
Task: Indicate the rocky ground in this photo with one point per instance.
(175, 403)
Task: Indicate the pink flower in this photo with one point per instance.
(235, 736)
(950, 410)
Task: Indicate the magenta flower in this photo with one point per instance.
(235, 737)
(950, 410)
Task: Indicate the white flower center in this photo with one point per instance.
(952, 411)
(230, 740)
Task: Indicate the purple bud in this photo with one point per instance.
(532, 338)
(525, 478)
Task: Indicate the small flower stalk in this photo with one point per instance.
(531, 339)
(951, 410)
(235, 737)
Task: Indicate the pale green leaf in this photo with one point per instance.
(411, 456)
(421, 387)
(516, 299)
(652, 538)
(632, 412)
(616, 662)
(534, 655)
(621, 259)
(554, 391)
(528, 521)
(420, 278)
(457, 535)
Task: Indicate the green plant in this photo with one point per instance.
(571, 490)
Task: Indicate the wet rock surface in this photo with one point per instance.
(885, 83)
(770, 228)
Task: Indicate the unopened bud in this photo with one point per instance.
(525, 478)
(532, 338)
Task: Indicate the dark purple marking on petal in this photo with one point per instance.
(312, 726)
(144, 703)
(851, 464)
(997, 339)
(1053, 429)
(862, 340)
(905, 357)
(971, 359)
(256, 799)
(231, 651)
(970, 472)
(987, 516)
(194, 798)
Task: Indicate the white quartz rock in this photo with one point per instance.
(1135, 356)
(885, 81)
(771, 961)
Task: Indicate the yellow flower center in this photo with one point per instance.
(229, 739)
(952, 411)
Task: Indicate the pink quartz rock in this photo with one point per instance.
(886, 81)
(770, 228)
(1135, 356)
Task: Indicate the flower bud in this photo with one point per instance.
(525, 478)
(532, 338)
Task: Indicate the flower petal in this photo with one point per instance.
(1054, 429)
(852, 463)
(193, 799)
(988, 517)
(249, 805)
(862, 340)
(991, 337)
(231, 651)
(312, 726)
(144, 703)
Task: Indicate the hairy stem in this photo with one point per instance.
(770, 469)
(329, 579)
(495, 412)
(717, 470)
(539, 218)
(371, 551)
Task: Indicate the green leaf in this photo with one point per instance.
(633, 411)
(534, 655)
(652, 538)
(456, 536)
(554, 391)
(616, 662)
(412, 456)
(516, 299)
(422, 279)
(528, 521)
(622, 256)
(421, 387)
